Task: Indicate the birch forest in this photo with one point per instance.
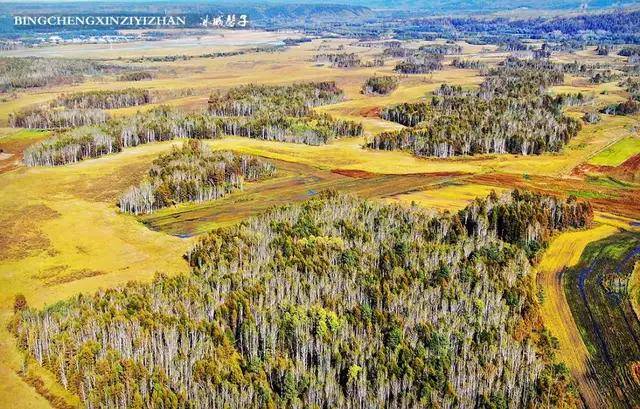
(193, 173)
(335, 302)
(276, 113)
(509, 113)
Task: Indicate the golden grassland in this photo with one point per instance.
(63, 235)
(451, 196)
(564, 252)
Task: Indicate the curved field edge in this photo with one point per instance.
(564, 252)
(634, 289)
(597, 291)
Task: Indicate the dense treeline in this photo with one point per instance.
(441, 49)
(30, 72)
(632, 86)
(221, 54)
(519, 78)
(337, 302)
(468, 125)
(283, 113)
(379, 44)
(135, 76)
(628, 107)
(399, 52)
(629, 51)
(278, 113)
(420, 64)
(290, 100)
(590, 28)
(348, 60)
(193, 173)
(46, 118)
(107, 99)
(381, 85)
(509, 114)
(296, 41)
(163, 124)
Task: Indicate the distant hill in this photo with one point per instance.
(442, 6)
(434, 6)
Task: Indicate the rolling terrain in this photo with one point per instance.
(63, 235)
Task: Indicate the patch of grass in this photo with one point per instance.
(447, 196)
(586, 194)
(608, 182)
(617, 153)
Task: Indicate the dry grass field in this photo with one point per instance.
(564, 252)
(62, 234)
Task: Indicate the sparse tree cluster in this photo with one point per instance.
(513, 44)
(628, 107)
(135, 76)
(441, 49)
(340, 60)
(575, 99)
(380, 85)
(193, 173)
(30, 72)
(604, 49)
(591, 117)
(632, 86)
(337, 302)
(603, 76)
(468, 64)
(584, 70)
(420, 64)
